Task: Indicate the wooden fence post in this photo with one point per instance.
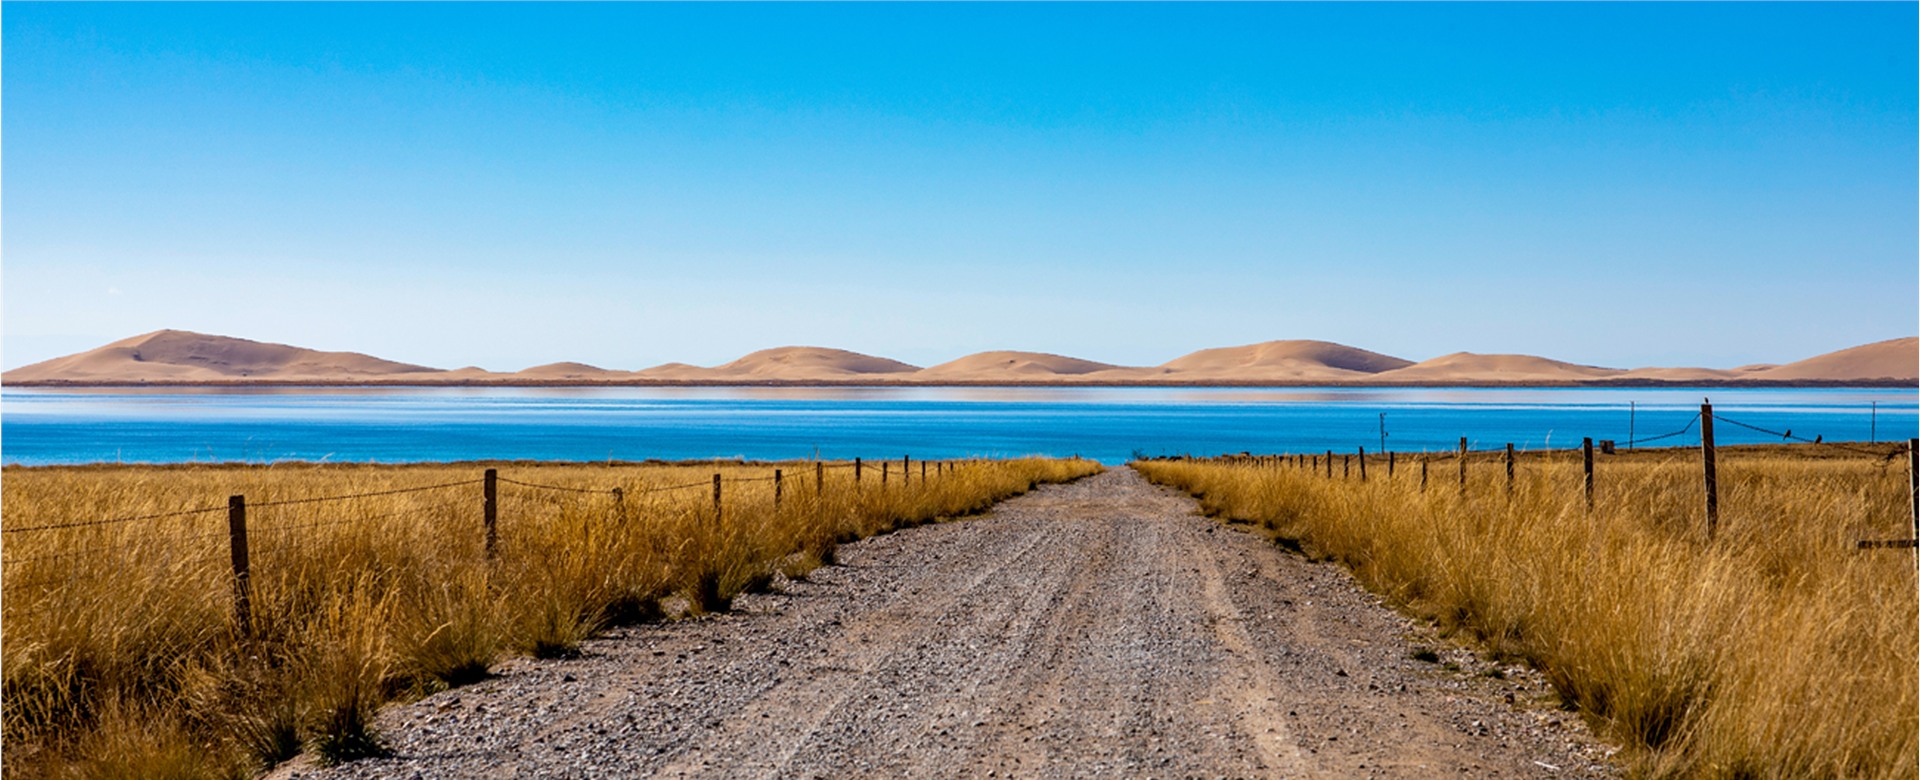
(1363, 464)
(1509, 468)
(1346, 466)
(884, 467)
(620, 503)
(1423, 473)
(856, 471)
(1463, 465)
(1389, 464)
(906, 470)
(1586, 456)
(716, 499)
(776, 488)
(819, 477)
(1913, 492)
(242, 580)
(1708, 469)
(1329, 464)
(490, 509)
(923, 472)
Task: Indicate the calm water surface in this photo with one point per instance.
(1111, 424)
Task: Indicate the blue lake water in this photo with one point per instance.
(39, 427)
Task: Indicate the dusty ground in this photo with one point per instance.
(1100, 628)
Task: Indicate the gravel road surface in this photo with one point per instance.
(1096, 629)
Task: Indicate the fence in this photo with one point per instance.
(489, 482)
(1709, 460)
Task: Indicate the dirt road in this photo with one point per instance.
(1100, 628)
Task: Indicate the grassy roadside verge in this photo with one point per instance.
(122, 656)
(1776, 650)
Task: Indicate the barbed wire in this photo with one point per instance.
(560, 488)
(396, 491)
(111, 521)
(1788, 434)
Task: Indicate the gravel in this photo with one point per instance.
(1097, 628)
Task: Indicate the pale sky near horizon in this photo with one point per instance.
(626, 185)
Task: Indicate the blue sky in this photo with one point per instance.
(511, 184)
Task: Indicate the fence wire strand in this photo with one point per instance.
(394, 492)
(112, 521)
(1788, 434)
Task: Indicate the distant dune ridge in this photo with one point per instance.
(182, 357)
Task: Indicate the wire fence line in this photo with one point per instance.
(1788, 434)
(299, 501)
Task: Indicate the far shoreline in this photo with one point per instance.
(1911, 384)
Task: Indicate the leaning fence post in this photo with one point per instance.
(490, 508)
(1363, 464)
(716, 498)
(1708, 470)
(237, 542)
(776, 488)
(1586, 455)
(1509, 468)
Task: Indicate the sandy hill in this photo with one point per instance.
(787, 364)
(182, 356)
(1015, 366)
(568, 371)
(1470, 367)
(1890, 359)
(1298, 360)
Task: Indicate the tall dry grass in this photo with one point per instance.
(1775, 650)
(121, 652)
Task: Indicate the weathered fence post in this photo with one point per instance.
(1389, 464)
(716, 498)
(884, 468)
(1346, 466)
(1363, 464)
(242, 580)
(1463, 465)
(776, 488)
(620, 503)
(819, 477)
(1509, 468)
(1913, 492)
(1586, 456)
(1423, 473)
(906, 470)
(1708, 469)
(490, 509)
(856, 470)
(923, 472)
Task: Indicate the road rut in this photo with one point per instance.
(1099, 628)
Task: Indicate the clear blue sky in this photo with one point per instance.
(511, 184)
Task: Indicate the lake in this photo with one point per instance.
(390, 425)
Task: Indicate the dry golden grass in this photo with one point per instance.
(121, 653)
(1776, 650)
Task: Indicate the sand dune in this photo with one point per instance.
(1890, 359)
(1005, 365)
(1293, 360)
(786, 364)
(180, 357)
(1470, 367)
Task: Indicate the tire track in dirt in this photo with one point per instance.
(1098, 628)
